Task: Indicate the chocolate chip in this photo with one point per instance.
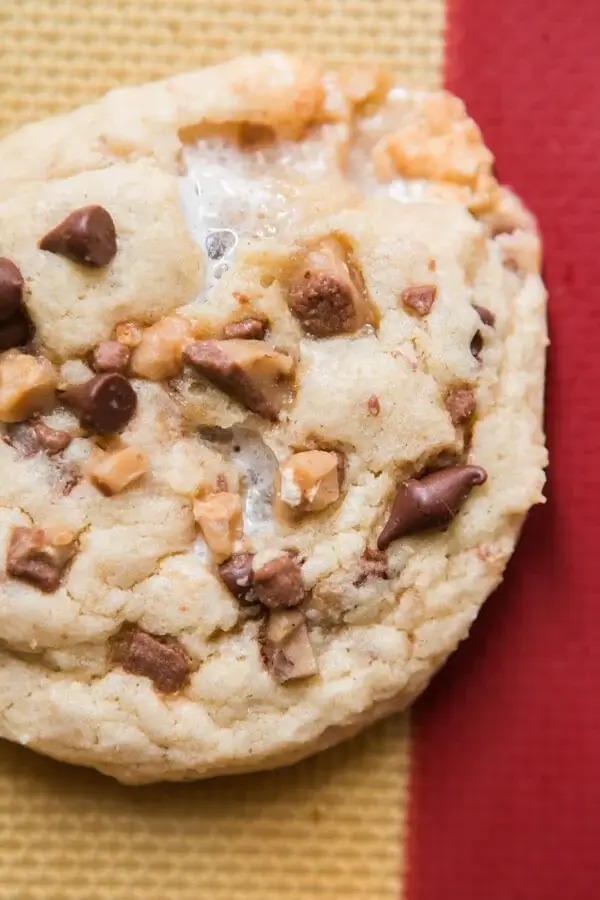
(429, 502)
(249, 371)
(218, 243)
(34, 557)
(110, 356)
(104, 404)
(279, 583)
(374, 564)
(51, 440)
(11, 289)
(486, 315)
(247, 329)
(15, 326)
(86, 236)
(285, 647)
(373, 405)
(476, 344)
(15, 332)
(237, 576)
(460, 404)
(419, 298)
(160, 658)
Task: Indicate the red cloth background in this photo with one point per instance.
(506, 800)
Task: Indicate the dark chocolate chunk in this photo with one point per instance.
(238, 577)
(15, 332)
(160, 658)
(34, 557)
(247, 329)
(460, 404)
(86, 236)
(429, 502)
(11, 290)
(104, 404)
(279, 583)
(419, 298)
(110, 356)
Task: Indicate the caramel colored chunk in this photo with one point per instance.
(249, 371)
(160, 658)
(327, 294)
(285, 646)
(220, 519)
(158, 355)
(278, 583)
(309, 481)
(419, 298)
(117, 470)
(129, 334)
(27, 385)
(39, 555)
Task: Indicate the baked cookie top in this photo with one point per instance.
(271, 372)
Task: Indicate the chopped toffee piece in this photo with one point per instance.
(237, 575)
(39, 556)
(309, 481)
(247, 370)
(246, 329)
(486, 315)
(129, 334)
(158, 353)
(327, 295)
(86, 236)
(419, 298)
(110, 356)
(27, 386)
(50, 439)
(374, 564)
(11, 290)
(279, 583)
(220, 519)
(285, 647)
(373, 405)
(429, 502)
(115, 471)
(160, 658)
(460, 404)
(104, 404)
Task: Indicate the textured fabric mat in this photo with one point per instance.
(506, 789)
(332, 827)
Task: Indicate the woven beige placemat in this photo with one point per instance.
(331, 828)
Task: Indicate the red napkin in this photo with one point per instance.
(506, 799)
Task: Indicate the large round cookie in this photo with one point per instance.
(271, 393)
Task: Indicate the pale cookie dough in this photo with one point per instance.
(272, 348)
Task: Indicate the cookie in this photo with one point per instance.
(272, 351)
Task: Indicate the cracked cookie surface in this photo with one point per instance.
(272, 348)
